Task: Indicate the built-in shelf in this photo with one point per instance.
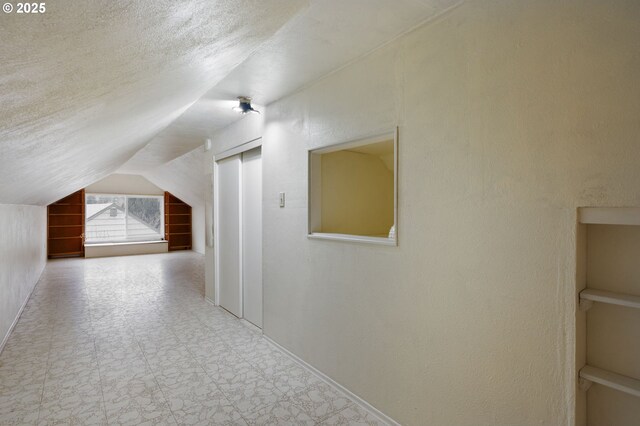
(612, 380)
(65, 226)
(177, 217)
(610, 215)
(610, 297)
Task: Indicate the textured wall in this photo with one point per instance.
(510, 115)
(185, 178)
(23, 254)
(124, 184)
(357, 194)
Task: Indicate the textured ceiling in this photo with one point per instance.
(323, 37)
(87, 84)
(89, 88)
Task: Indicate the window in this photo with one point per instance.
(118, 218)
(352, 191)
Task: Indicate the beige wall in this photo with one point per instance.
(357, 194)
(510, 115)
(124, 184)
(23, 255)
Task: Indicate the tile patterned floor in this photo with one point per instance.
(131, 341)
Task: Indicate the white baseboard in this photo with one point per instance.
(361, 402)
(210, 301)
(5, 339)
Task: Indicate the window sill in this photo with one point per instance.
(125, 248)
(383, 241)
(125, 243)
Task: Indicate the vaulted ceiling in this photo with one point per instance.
(90, 88)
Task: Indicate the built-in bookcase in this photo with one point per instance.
(177, 223)
(608, 318)
(65, 226)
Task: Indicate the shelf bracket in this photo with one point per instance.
(584, 384)
(585, 304)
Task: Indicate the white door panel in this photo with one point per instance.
(252, 235)
(229, 234)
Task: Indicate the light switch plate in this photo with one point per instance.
(282, 199)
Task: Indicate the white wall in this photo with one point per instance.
(23, 255)
(186, 178)
(198, 235)
(510, 115)
(124, 184)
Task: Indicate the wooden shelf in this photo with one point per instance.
(64, 238)
(65, 226)
(610, 298)
(67, 254)
(612, 380)
(177, 218)
(609, 215)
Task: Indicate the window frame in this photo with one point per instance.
(126, 209)
(313, 190)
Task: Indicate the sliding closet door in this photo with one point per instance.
(229, 234)
(252, 235)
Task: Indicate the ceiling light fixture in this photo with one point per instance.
(244, 106)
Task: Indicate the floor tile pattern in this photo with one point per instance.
(132, 341)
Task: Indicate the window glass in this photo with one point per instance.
(113, 218)
(143, 218)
